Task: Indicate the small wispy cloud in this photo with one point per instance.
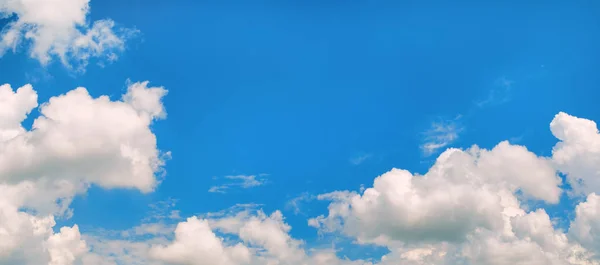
(359, 159)
(162, 210)
(160, 220)
(499, 94)
(240, 181)
(440, 135)
(443, 133)
(296, 203)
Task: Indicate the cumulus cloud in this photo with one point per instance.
(578, 152)
(464, 190)
(257, 238)
(60, 29)
(105, 142)
(196, 244)
(76, 141)
(66, 246)
(586, 225)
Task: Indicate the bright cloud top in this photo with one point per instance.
(59, 28)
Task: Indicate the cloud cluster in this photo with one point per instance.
(471, 207)
(60, 29)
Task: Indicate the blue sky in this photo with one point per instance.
(274, 102)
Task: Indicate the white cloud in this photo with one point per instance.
(240, 181)
(75, 142)
(578, 152)
(532, 240)
(586, 225)
(196, 244)
(60, 29)
(105, 142)
(65, 247)
(257, 239)
(463, 191)
(29, 239)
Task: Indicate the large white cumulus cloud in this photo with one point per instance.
(76, 141)
(463, 191)
(60, 29)
(79, 139)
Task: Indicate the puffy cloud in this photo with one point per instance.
(29, 239)
(80, 139)
(76, 141)
(59, 28)
(533, 241)
(196, 244)
(66, 246)
(14, 108)
(578, 152)
(247, 237)
(464, 190)
(586, 225)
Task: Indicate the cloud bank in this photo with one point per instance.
(471, 207)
